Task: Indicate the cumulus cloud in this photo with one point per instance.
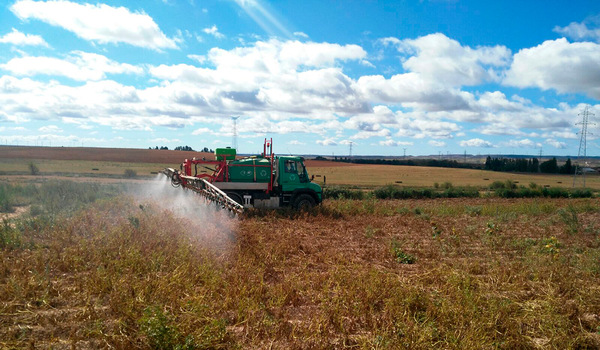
(560, 65)
(327, 142)
(296, 142)
(394, 143)
(439, 58)
(99, 23)
(80, 66)
(437, 143)
(15, 37)
(556, 144)
(476, 143)
(524, 143)
(50, 128)
(202, 131)
(214, 31)
(581, 31)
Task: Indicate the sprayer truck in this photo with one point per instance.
(264, 181)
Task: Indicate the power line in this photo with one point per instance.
(582, 144)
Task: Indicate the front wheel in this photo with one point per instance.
(304, 201)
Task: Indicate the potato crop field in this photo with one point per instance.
(85, 265)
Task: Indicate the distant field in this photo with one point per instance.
(112, 162)
(415, 176)
(127, 155)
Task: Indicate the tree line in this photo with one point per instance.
(521, 165)
(532, 165)
(183, 148)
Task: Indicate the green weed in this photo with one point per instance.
(569, 216)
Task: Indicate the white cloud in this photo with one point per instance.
(580, 31)
(367, 134)
(559, 65)
(437, 143)
(79, 66)
(524, 143)
(164, 140)
(100, 23)
(202, 131)
(17, 38)
(561, 134)
(393, 143)
(50, 128)
(301, 35)
(296, 142)
(214, 31)
(476, 143)
(439, 58)
(198, 58)
(327, 142)
(556, 144)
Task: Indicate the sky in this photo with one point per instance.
(321, 77)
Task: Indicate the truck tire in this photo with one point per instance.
(304, 201)
(236, 197)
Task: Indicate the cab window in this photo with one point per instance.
(290, 167)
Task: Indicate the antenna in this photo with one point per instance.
(582, 144)
(234, 143)
(350, 154)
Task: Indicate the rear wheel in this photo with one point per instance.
(236, 197)
(304, 201)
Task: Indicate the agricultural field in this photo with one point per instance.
(98, 163)
(104, 259)
(89, 265)
(369, 176)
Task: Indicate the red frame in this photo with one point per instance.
(221, 172)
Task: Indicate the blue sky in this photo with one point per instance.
(429, 76)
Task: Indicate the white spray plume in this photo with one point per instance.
(210, 225)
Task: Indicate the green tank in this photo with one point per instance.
(253, 169)
(225, 153)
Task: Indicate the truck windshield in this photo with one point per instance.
(302, 175)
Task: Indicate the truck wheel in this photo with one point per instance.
(304, 201)
(236, 197)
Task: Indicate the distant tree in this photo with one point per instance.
(533, 165)
(549, 166)
(567, 168)
(183, 148)
(164, 147)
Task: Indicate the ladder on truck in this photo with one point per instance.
(203, 188)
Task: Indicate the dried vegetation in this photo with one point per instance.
(414, 274)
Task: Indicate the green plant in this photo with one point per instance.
(569, 216)
(436, 231)
(157, 326)
(491, 228)
(6, 199)
(474, 210)
(371, 231)
(550, 246)
(401, 256)
(33, 169)
(129, 173)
